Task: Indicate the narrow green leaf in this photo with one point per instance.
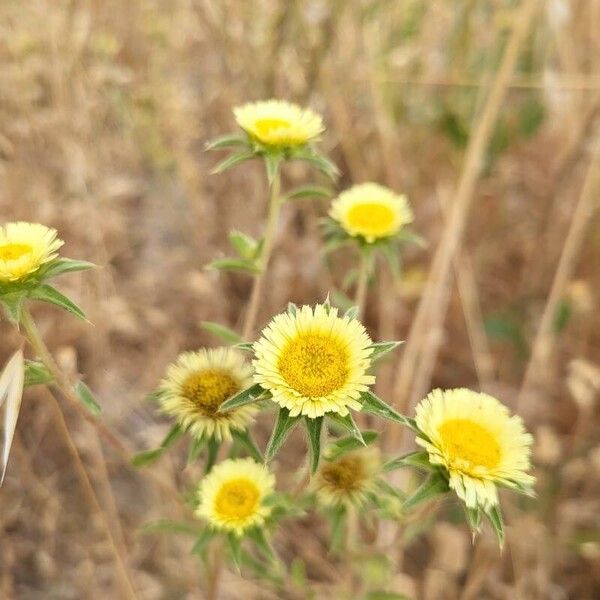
(309, 191)
(46, 293)
(59, 266)
(246, 346)
(167, 525)
(494, 514)
(281, 430)
(313, 428)
(154, 395)
(245, 439)
(382, 348)
(243, 244)
(36, 373)
(227, 140)
(235, 546)
(348, 424)
(349, 444)
(226, 334)
(292, 308)
(195, 448)
(352, 313)
(434, 486)
(247, 396)
(323, 164)
(202, 541)
(376, 406)
(418, 459)
(213, 452)
(473, 516)
(13, 306)
(147, 457)
(257, 535)
(87, 398)
(233, 160)
(234, 264)
(272, 162)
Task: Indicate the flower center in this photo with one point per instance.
(469, 445)
(314, 364)
(371, 218)
(209, 389)
(237, 499)
(346, 474)
(14, 251)
(265, 127)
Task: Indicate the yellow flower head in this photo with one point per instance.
(198, 383)
(348, 479)
(371, 211)
(314, 362)
(473, 436)
(232, 496)
(279, 124)
(24, 248)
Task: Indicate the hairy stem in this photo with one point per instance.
(362, 281)
(259, 280)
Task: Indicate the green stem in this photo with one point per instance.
(259, 280)
(362, 281)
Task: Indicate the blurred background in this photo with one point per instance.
(105, 107)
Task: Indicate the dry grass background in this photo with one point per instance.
(104, 110)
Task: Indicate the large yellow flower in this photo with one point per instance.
(198, 383)
(371, 211)
(279, 124)
(24, 248)
(473, 436)
(232, 496)
(314, 362)
(349, 479)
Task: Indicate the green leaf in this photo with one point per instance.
(36, 373)
(323, 164)
(233, 160)
(245, 439)
(257, 535)
(281, 430)
(246, 346)
(382, 348)
(46, 293)
(309, 191)
(87, 398)
(349, 444)
(313, 428)
(235, 546)
(13, 306)
(247, 396)
(244, 245)
(473, 516)
(227, 140)
(154, 395)
(352, 313)
(202, 541)
(213, 451)
(167, 525)
(348, 424)
(147, 457)
(226, 334)
(494, 514)
(418, 459)
(60, 266)
(195, 448)
(292, 309)
(338, 530)
(234, 264)
(433, 487)
(381, 595)
(376, 406)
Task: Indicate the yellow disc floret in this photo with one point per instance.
(371, 211)
(473, 436)
(24, 248)
(314, 362)
(198, 383)
(232, 497)
(279, 124)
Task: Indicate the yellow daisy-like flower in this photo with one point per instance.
(279, 124)
(314, 362)
(198, 383)
(347, 480)
(232, 496)
(371, 211)
(24, 248)
(476, 439)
